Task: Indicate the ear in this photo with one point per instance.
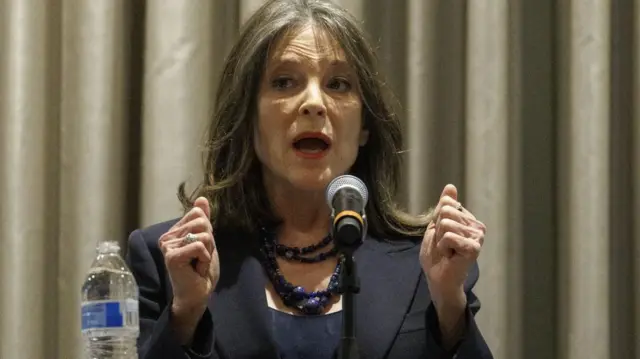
(364, 137)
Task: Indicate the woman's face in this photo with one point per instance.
(309, 126)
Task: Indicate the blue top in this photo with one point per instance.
(306, 337)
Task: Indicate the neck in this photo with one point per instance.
(305, 214)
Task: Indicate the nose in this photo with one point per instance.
(313, 103)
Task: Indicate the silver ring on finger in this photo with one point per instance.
(190, 238)
(459, 207)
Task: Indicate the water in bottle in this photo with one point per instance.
(110, 322)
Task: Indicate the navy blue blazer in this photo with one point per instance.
(394, 314)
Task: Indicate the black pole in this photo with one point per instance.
(349, 287)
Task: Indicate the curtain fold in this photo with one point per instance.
(635, 168)
(584, 187)
(28, 184)
(177, 99)
(421, 63)
(527, 106)
(487, 181)
(93, 150)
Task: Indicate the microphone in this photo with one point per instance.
(347, 197)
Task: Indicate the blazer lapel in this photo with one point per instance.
(240, 314)
(388, 274)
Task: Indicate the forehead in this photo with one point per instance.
(307, 44)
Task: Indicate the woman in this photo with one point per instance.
(299, 103)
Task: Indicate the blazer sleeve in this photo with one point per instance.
(157, 340)
(472, 345)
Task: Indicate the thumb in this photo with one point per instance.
(451, 191)
(203, 204)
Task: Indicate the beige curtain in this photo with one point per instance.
(529, 106)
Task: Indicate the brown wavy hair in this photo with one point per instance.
(233, 175)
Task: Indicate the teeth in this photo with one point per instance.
(315, 150)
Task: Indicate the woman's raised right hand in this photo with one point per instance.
(193, 266)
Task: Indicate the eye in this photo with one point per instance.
(282, 83)
(339, 84)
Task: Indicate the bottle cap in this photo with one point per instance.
(108, 247)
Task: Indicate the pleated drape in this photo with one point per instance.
(583, 178)
(29, 124)
(94, 145)
(528, 106)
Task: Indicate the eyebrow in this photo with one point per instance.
(340, 63)
(297, 61)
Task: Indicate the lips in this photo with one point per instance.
(311, 144)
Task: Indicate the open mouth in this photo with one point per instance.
(311, 144)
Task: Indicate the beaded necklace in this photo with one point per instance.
(309, 303)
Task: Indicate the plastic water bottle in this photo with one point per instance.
(110, 320)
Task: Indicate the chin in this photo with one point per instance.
(308, 180)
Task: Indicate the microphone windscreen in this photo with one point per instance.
(346, 181)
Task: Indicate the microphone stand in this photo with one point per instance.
(348, 237)
(349, 286)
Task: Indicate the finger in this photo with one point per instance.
(451, 212)
(197, 225)
(448, 225)
(176, 231)
(478, 225)
(445, 201)
(450, 191)
(465, 217)
(205, 237)
(448, 196)
(203, 204)
(183, 256)
(466, 212)
(202, 268)
(193, 213)
(201, 227)
(453, 243)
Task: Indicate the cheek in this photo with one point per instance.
(350, 139)
(263, 141)
(260, 138)
(351, 147)
(258, 144)
(351, 130)
(268, 135)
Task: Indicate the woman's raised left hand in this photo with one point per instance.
(451, 244)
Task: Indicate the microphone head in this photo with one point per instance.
(346, 181)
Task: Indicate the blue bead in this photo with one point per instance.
(312, 306)
(298, 292)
